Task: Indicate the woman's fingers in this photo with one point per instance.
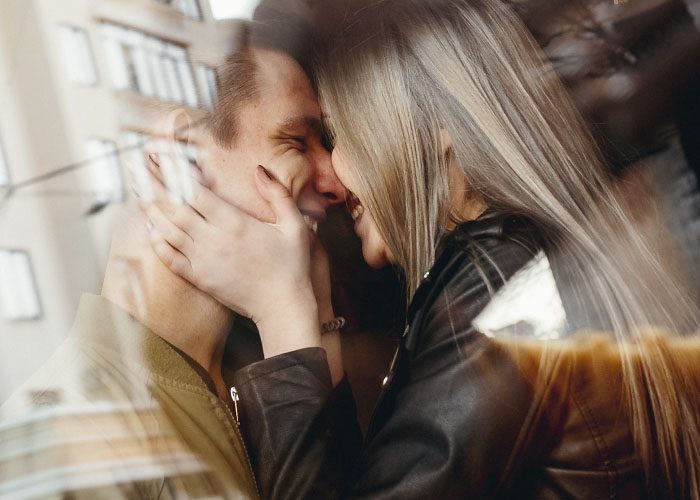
(203, 200)
(210, 206)
(186, 218)
(280, 199)
(182, 214)
(218, 212)
(148, 184)
(171, 232)
(170, 257)
(154, 170)
(174, 177)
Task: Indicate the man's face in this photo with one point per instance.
(280, 130)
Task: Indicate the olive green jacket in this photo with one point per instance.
(117, 412)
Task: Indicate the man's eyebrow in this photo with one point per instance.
(311, 123)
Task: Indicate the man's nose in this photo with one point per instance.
(327, 184)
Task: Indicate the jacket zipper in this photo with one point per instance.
(238, 432)
(386, 385)
(235, 398)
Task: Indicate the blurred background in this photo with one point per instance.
(84, 84)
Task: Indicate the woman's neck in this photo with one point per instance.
(470, 209)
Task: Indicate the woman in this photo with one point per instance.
(471, 161)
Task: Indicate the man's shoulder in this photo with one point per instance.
(85, 424)
(46, 386)
(96, 447)
(88, 366)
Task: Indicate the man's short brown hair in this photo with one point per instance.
(237, 85)
(238, 75)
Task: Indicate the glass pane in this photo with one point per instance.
(153, 50)
(212, 83)
(4, 173)
(204, 87)
(80, 64)
(20, 299)
(171, 67)
(104, 177)
(185, 72)
(114, 57)
(139, 60)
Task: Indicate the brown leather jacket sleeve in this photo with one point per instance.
(303, 436)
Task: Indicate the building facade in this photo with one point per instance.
(83, 85)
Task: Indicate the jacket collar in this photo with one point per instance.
(107, 328)
(451, 245)
(449, 253)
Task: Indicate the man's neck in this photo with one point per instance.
(170, 307)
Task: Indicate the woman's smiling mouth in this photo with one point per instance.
(355, 207)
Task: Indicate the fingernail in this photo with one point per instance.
(149, 226)
(154, 158)
(268, 175)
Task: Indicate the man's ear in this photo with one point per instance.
(181, 129)
(177, 126)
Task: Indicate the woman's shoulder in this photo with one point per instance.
(474, 262)
(480, 256)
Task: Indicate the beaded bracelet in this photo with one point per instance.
(333, 325)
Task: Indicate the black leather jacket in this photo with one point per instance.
(456, 418)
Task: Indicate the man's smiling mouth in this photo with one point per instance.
(311, 223)
(312, 218)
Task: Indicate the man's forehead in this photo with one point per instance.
(287, 100)
(277, 68)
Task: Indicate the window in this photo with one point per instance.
(4, 172)
(184, 71)
(18, 291)
(80, 63)
(190, 8)
(114, 56)
(206, 78)
(104, 176)
(148, 65)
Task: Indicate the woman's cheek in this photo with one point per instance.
(375, 250)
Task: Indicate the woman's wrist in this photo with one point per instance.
(292, 326)
(325, 313)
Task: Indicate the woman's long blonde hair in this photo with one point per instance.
(406, 73)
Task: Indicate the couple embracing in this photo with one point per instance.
(462, 161)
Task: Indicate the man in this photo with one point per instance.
(146, 410)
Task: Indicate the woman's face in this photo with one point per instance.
(374, 249)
